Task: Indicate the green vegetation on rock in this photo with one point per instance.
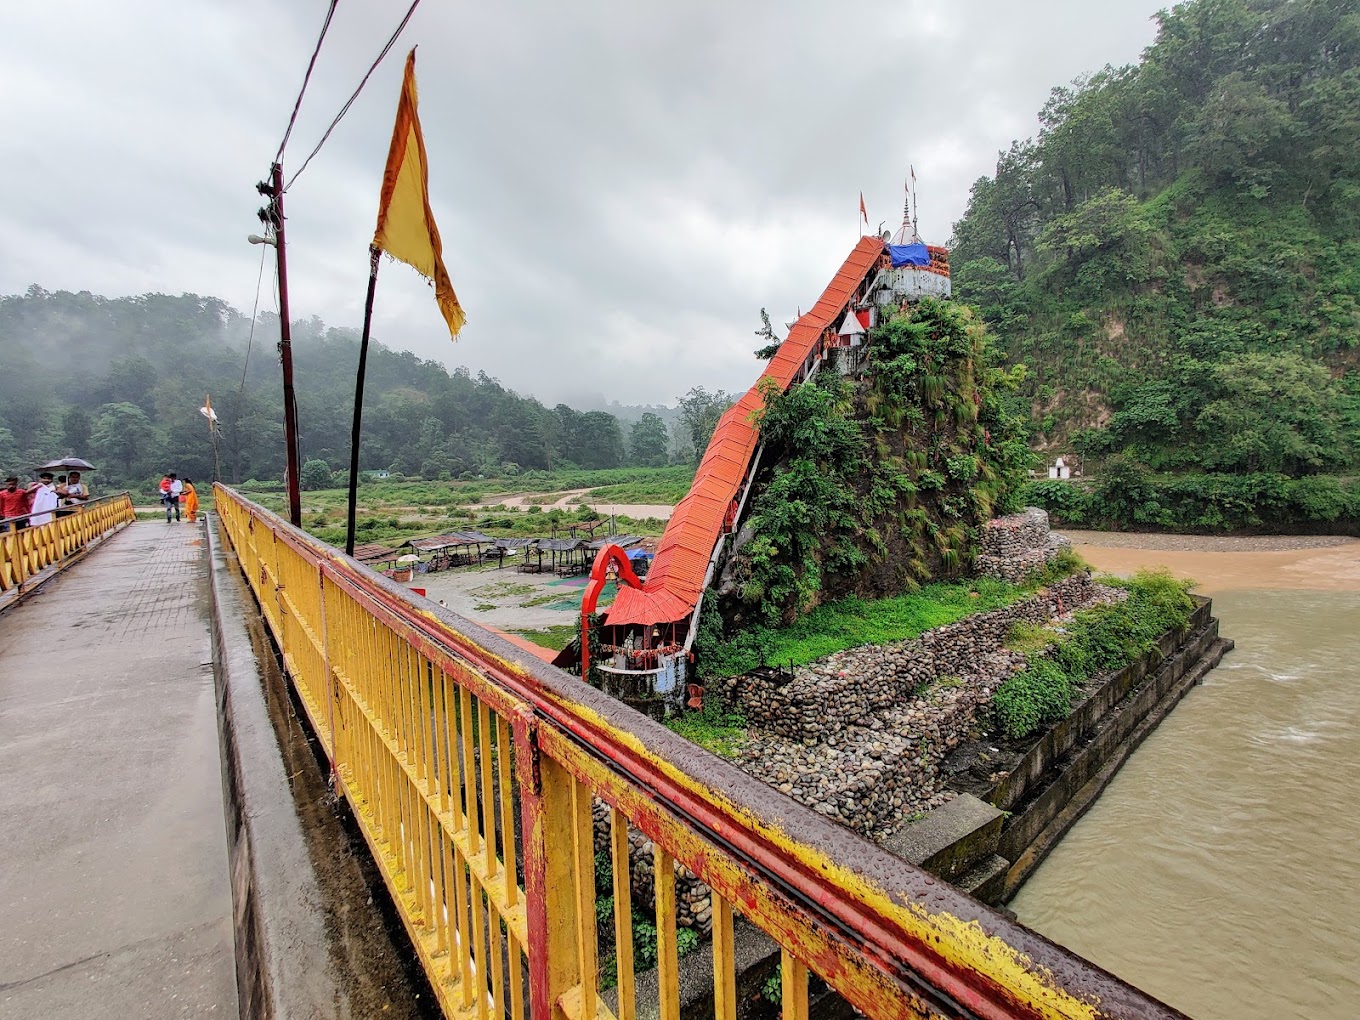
(872, 487)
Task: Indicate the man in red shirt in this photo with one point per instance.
(14, 502)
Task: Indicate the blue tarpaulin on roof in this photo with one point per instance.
(639, 554)
(909, 255)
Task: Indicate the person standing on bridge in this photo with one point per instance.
(14, 502)
(190, 500)
(172, 495)
(45, 500)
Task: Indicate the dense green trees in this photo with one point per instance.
(648, 442)
(700, 411)
(1176, 257)
(121, 380)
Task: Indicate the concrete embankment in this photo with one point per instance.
(312, 938)
(1016, 803)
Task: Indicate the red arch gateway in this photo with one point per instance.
(599, 574)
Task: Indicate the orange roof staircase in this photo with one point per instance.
(676, 581)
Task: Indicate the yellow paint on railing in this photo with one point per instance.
(475, 787)
(26, 552)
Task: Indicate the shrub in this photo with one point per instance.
(1097, 641)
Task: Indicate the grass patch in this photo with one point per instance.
(502, 590)
(555, 637)
(1029, 638)
(541, 600)
(484, 607)
(712, 728)
(852, 622)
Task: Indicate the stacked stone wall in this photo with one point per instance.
(1018, 546)
(854, 686)
(860, 736)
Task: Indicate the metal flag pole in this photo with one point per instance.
(373, 253)
(915, 223)
(211, 415)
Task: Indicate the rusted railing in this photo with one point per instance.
(28, 550)
(472, 768)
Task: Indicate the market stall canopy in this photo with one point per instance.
(372, 552)
(622, 541)
(451, 540)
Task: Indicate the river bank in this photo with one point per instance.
(1217, 871)
(1230, 562)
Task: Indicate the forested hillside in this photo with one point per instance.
(119, 381)
(1176, 256)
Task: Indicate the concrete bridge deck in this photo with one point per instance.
(115, 898)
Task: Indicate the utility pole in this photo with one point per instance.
(274, 217)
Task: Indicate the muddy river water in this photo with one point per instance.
(1220, 871)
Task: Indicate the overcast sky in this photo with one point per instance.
(620, 186)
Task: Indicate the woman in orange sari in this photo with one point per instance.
(190, 497)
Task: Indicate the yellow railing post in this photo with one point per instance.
(550, 888)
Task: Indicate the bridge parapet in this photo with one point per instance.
(471, 769)
(31, 554)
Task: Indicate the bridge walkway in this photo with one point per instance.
(115, 898)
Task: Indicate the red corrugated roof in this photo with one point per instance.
(675, 582)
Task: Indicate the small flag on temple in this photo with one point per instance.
(863, 213)
(406, 228)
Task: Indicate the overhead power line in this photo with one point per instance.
(292, 119)
(350, 102)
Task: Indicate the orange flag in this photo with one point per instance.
(406, 228)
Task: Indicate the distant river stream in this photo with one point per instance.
(1220, 871)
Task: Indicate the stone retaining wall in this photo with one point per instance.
(856, 686)
(693, 903)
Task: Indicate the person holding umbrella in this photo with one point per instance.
(77, 492)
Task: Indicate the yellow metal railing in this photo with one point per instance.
(472, 770)
(27, 551)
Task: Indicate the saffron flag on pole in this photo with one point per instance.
(863, 213)
(406, 228)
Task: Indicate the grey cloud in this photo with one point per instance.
(620, 186)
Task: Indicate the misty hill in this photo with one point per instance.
(1176, 257)
(120, 381)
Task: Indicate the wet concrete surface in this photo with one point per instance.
(115, 899)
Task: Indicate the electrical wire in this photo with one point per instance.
(254, 314)
(350, 102)
(292, 119)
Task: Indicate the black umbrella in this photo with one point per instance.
(69, 463)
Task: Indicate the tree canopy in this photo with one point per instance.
(134, 371)
(1174, 256)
